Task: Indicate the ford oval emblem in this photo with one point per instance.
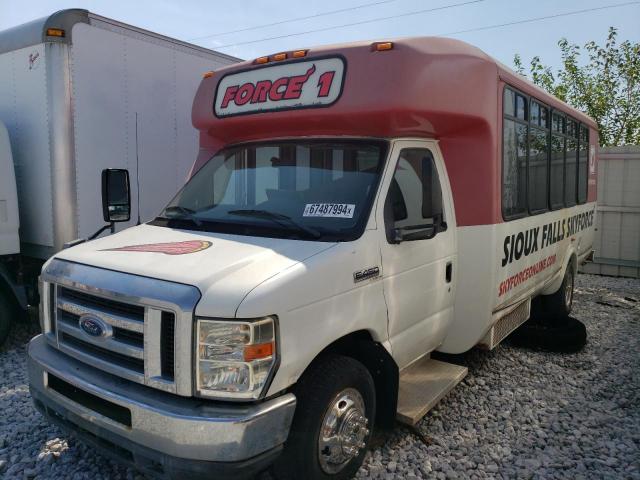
(94, 327)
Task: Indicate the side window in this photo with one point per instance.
(414, 200)
(514, 155)
(570, 170)
(556, 174)
(583, 162)
(538, 158)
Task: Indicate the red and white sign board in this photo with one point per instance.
(305, 84)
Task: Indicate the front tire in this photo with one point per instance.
(332, 424)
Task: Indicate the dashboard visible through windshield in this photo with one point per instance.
(311, 190)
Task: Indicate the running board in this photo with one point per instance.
(424, 384)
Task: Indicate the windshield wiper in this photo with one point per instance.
(278, 218)
(183, 214)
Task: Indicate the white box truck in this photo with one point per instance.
(353, 209)
(80, 93)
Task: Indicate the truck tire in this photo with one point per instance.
(563, 335)
(558, 305)
(7, 313)
(337, 398)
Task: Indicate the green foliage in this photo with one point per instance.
(606, 87)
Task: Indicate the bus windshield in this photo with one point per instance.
(308, 190)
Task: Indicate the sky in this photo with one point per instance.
(215, 24)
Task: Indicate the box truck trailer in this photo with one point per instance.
(80, 93)
(353, 209)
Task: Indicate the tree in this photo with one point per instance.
(606, 87)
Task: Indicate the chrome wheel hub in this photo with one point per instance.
(568, 291)
(343, 432)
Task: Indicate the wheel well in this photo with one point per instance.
(553, 287)
(13, 292)
(360, 346)
(8, 293)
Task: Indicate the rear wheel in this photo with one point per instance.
(559, 304)
(7, 313)
(333, 422)
(565, 335)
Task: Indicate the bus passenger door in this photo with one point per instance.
(418, 249)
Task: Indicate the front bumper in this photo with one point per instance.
(157, 432)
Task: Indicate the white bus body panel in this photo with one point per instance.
(9, 223)
(484, 285)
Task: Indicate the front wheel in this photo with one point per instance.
(333, 422)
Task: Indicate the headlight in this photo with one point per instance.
(234, 358)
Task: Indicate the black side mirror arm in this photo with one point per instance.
(111, 226)
(78, 241)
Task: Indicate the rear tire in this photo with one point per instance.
(558, 305)
(7, 314)
(568, 335)
(333, 422)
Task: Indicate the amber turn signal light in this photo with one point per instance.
(382, 46)
(256, 352)
(55, 32)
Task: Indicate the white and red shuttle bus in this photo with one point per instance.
(353, 209)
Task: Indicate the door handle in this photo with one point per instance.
(449, 272)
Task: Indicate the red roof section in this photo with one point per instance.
(424, 87)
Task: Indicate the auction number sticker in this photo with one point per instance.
(332, 210)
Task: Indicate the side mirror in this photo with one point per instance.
(417, 232)
(116, 195)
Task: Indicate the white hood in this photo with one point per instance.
(223, 267)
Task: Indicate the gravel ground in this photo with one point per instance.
(518, 413)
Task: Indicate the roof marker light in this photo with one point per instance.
(280, 56)
(299, 53)
(382, 46)
(261, 60)
(208, 74)
(55, 32)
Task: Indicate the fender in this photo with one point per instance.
(570, 256)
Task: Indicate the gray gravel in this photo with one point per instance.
(518, 414)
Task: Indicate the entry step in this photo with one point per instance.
(424, 384)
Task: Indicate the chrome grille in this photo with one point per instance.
(125, 348)
(145, 325)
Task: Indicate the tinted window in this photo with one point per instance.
(415, 196)
(570, 171)
(509, 102)
(514, 172)
(558, 123)
(556, 173)
(538, 157)
(535, 113)
(521, 107)
(544, 117)
(583, 164)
